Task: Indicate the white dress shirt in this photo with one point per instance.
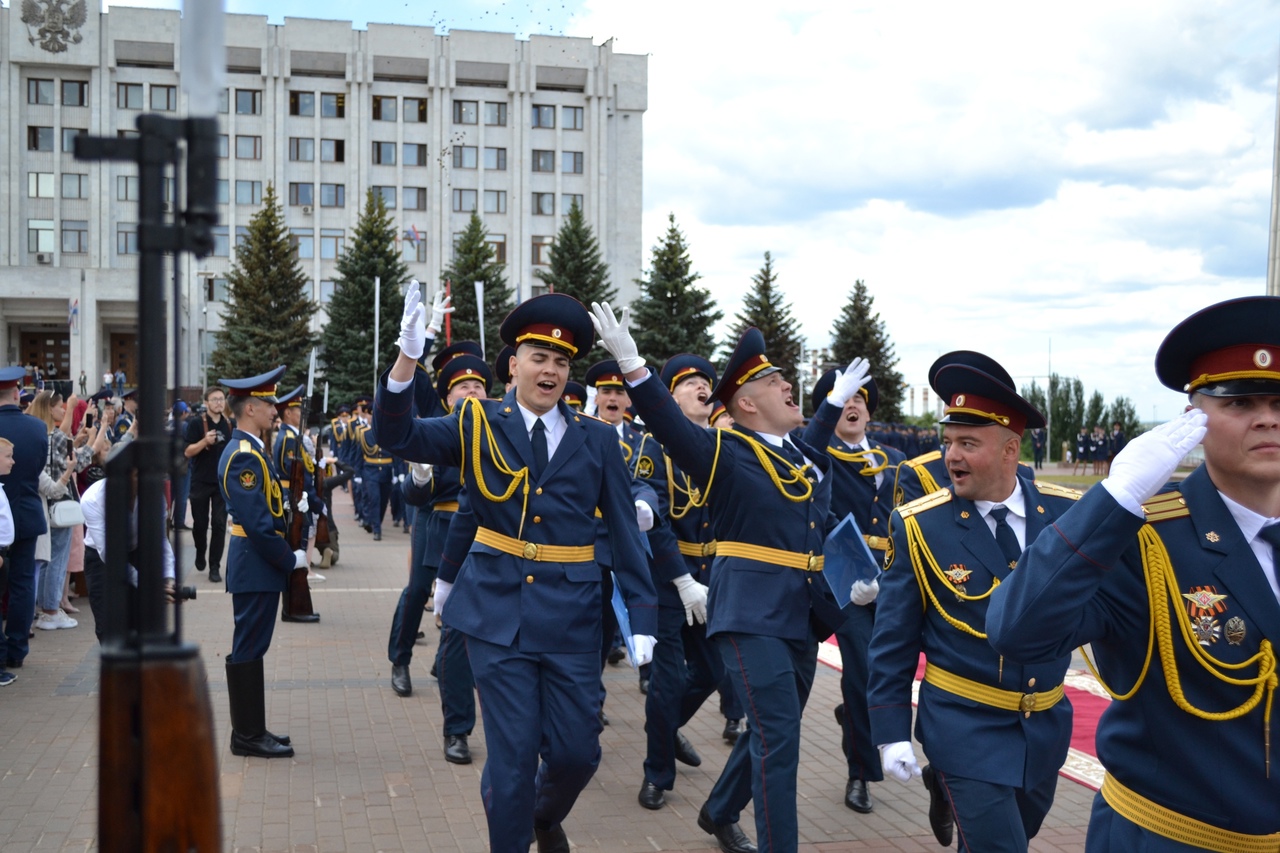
(1017, 517)
(1251, 523)
(93, 503)
(552, 420)
(6, 520)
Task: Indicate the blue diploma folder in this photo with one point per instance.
(624, 620)
(846, 558)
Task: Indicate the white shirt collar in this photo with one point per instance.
(1016, 503)
(1249, 522)
(552, 420)
(256, 440)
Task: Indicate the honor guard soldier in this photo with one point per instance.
(995, 732)
(528, 598)
(1173, 588)
(339, 431)
(290, 446)
(768, 493)
(258, 560)
(862, 472)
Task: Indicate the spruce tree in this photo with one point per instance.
(673, 314)
(763, 307)
(473, 261)
(267, 321)
(576, 266)
(348, 336)
(859, 332)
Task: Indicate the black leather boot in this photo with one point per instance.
(249, 735)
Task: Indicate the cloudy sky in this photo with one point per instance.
(1034, 181)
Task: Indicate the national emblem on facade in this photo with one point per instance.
(53, 24)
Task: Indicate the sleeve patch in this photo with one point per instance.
(248, 480)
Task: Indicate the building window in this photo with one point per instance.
(384, 108)
(464, 156)
(498, 244)
(388, 196)
(464, 201)
(331, 243)
(39, 235)
(544, 204)
(415, 110)
(495, 201)
(571, 118)
(541, 251)
(75, 236)
(248, 192)
(127, 239)
(384, 153)
(303, 242)
(248, 102)
(464, 112)
(302, 194)
(224, 146)
(326, 292)
(543, 116)
(302, 103)
(568, 200)
(221, 241)
(414, 252)
(39, 138)
(39, 184)
(224, 101)
(216, 291)
(333, 105)
(302, 149)
(129, 96)
(40, 92)
(544, 161)
(415, 154)
(333, 195)
(248, 147)
(495, 114)
(126, 187)
(571, 162)
(164, 98)
(75, 186)
(126, 134)
(495, 159)
(69, 135)
(242, 236)
(415, 198)
(333, 150)
(75, 93)
(224, 191)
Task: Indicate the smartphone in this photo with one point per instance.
(88, 419)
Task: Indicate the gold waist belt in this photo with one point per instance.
(877, 543)
(445, 506)
(697, 549)
(377, 460)
(533, 551)
(1009, 700)
(790, 559)
(237, 530)
(1167, 823)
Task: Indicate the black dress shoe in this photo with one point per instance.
(377, 536)
(651, 796)
(552, 840)
(616, 654)
(261, 746)
(732, 729)
(281, 739)
(644, 685)
(730, 838)
(685, 753)
(310, 617)
(456, 750)
(400, 681)
(942, 819)
(604, 718)
(368, 528)
(11, 663)
(214, 575)
(857, 797)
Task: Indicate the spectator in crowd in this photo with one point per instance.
(206, 437)
(120, 382)
(84, 380)
(6, 537)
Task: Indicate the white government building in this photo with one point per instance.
(441, 125)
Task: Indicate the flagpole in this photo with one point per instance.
(480, 312)
(377, 322)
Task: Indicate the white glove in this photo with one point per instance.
(413, 333)
(848, 382)
(644, 516)
(694, 597)
(300, 559)
(443, 588)
(614, 336)
(440, 306)
(899, 760)
(863, 593)
(421, 472)
(357, 480)
(303, 504)
(1147, 462)
(643, 645)
(590, 407)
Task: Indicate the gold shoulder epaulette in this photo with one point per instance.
(924, 459)
(246, 446)
(1057, 491)
(929, 501)
(1166, 506)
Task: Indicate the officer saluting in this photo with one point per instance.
(528, 597)
(258, 560)
(1175, 591)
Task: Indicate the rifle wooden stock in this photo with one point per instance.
(299, 592)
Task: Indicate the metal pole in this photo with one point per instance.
(377, 324)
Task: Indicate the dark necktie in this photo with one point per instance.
(1005, 537)
(1271, 533)
(793, 453)
(539, 439)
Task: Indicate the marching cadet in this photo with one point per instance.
(995, 732)
(769, 494)
(340, 432)
(502, 368)
(528, 598)
(289, 446)
(575, 395)
(1174, 590)
(128, 413)
(258, 560)
(862, 472)
(375, 472)
(360, 420)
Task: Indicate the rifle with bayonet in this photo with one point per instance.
(297, 605)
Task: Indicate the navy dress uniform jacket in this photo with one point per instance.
(287, 448)
(260, 560)
(30, 439)
(1083, 583)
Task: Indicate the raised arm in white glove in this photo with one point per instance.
(300, 559)
(421, 472)
(694, 597)
(614, 336)
(864, 592)
(1140, 470)
(413, 332)
(590, 407)
(849, 381)
(644, 516)
(440, 306)
(303, 504)
(899, 760)
(443, 588)
(643, 645)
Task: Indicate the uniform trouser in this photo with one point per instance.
(376, 493)
(396, 501)
(357, 492)
(730, 707)
(997, 818)
(853, 637)
(608, 624)
(255, 616)
(21, 564)
(686, 670)
(457, 687)
(534, 705)
(208, 509)
(773, 677)
(1109, 832)
(407, 620)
